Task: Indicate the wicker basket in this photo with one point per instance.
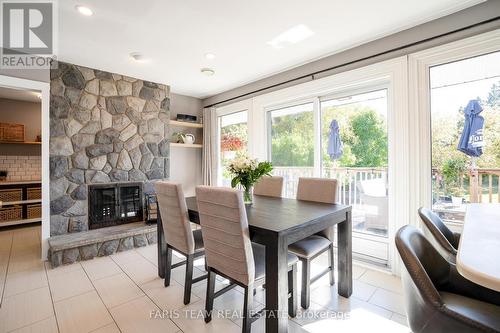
(11, 213)
(34, 211)
(11, 194)
(11, 132)
(34, 193)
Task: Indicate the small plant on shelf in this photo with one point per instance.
(3, 175)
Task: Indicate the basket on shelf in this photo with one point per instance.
(11, 132)
(34, 211)
(11, 213)
(11, 194)
(34, 193)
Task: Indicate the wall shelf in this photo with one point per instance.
(22, 202)
(20, 143)
(185, 124)
(16, 222)
(184, 145)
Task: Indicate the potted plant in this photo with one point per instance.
(246, 172)
(3, 175)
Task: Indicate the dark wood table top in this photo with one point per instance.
(281, 215)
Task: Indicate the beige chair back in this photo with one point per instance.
(174, 216)
(322, 190)
(224, 227)
(269, 187)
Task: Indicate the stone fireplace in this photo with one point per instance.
(105, 128)
(114, 204)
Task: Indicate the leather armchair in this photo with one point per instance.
(437, 298)
(445, 240)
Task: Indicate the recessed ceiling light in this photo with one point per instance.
(209, 56)
(139, 57)
(207, 71)
(293, 35)
(84, 10)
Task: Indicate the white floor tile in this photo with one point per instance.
(100, 267)
(117, 289)
(69, 284)
(388, 300)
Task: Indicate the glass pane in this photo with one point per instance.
(233, 141)
(456, 177)
(360, 165)
(292, 144)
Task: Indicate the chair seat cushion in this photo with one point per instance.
(198, 240)
(309, 246)
(481, 312)
(259, 257)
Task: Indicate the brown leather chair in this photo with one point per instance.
(445, 240)
(437, 298)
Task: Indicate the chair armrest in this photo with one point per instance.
(457, 284)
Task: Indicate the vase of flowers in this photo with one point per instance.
(246, 172)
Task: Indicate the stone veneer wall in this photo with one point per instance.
(104, 127)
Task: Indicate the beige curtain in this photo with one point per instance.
(209, 156)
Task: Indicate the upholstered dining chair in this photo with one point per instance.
(230, 253)
(178, 233)
(318, 190)
(437, 298)
(269, 186)
(443, 238)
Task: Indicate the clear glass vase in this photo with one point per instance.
(248, 195)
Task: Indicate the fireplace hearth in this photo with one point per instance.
(115, 204)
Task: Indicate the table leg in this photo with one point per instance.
(344, 239)
(276, 286)
(162, 247)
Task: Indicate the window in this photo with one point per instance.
(457, 178)
(233, 131)
(292, 144)
(361, 168)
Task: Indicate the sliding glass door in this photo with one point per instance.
(291, 144)
(456, 89)
(300, 144)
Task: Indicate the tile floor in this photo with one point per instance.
(122, 293)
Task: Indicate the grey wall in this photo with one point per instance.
(28, 114)
(469, 22)
(185, 163)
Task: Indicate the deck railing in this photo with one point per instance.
(348, 180)
(480, 185)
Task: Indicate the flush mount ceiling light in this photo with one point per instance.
(207, 71)
(139, 57)
(293, 35)
(86, 11)
(209, 56)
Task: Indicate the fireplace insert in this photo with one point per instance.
(114, 204)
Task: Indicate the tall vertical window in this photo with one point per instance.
(458, 178)
(359, 160)
(292, 144)
(233, 131)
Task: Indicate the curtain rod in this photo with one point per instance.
(311, 76)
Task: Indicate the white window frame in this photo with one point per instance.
(393, 74)
(419, 65)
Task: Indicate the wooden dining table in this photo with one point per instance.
(279, 222)
(479, 245)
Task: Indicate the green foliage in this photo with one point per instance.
(247, 178)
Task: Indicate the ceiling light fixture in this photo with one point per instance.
(207, 71)
(293, 35)
(139, 57)
(209, 56)
(86, 11)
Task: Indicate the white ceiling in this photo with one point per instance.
(19, 95)
(176, 34)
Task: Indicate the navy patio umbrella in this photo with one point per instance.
(335, 146)
(471, 142)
